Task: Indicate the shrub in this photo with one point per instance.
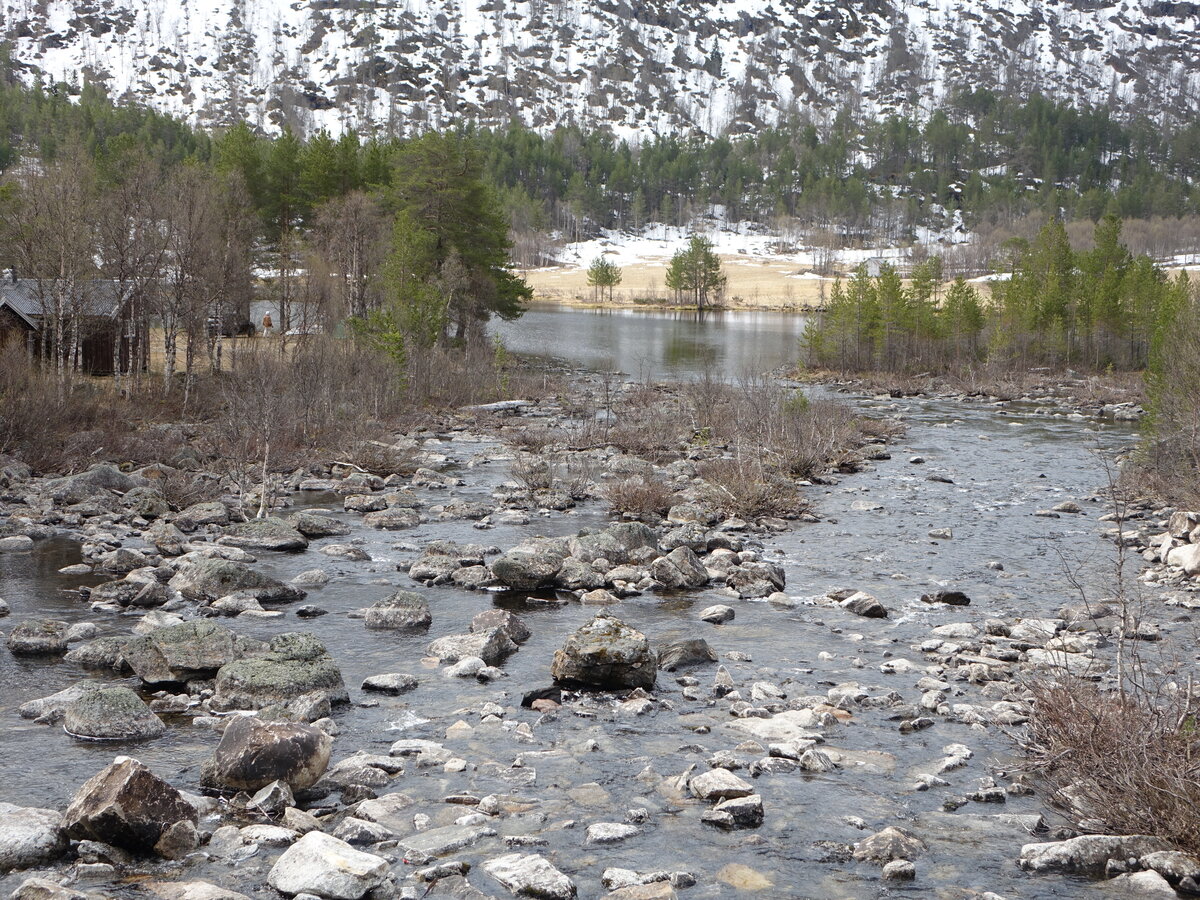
(748, 488)
(636, 497)
(1128, 760)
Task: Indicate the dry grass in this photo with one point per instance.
(749, 488)
(752, 284)
(647, 499)
(1129, 762)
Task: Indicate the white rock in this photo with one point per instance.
(531, 876)
(610, 832)
(322, 865)
(29, 836)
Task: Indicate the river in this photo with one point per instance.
(1000, 464)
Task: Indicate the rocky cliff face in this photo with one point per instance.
(637, 67)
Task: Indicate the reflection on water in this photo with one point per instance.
(657, 343)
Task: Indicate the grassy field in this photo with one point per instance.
(753, 283)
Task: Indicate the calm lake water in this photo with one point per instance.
(656, 344)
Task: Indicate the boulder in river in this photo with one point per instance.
(517, 631)
(315, 526)
(321, 865)
(530, 566)
(679, 569)
(295, 663)
(38, 637)
(403, 609)
(53, 708)
(111, 714)
(492, 646)
(891, 843)
(46, 889)
(210, 512)
(607, 654)
(1087, 854)
(165, 538)
(137, 592)
(101, 653)
(684, 654)
(264, 534)
(206, 580)
(253, 754)
(530, 875)
(950, 598)
(754, 580)
(127, 805)
(863, 604)
(185, 652)
(29, 837)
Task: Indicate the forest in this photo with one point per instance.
(983, 163)
(1054, 305)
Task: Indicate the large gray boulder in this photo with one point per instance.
(753, 580)
(294, 664)
(102, 653)
(127, 805)
(147, 502)
(321, 865)
(685, 654)
(434, 568)
(111, 714)
(518, 632)
(492, 646)
(211, 512)
(889, 844)
(679, 569)
(607, 654)
(403, 609)
(121, 561)
(1088, 854)
(264, 534)
(131, 592)
(165, 538)
(313, 526)
(627, 542)
(530, 566)
(52, 708)
(29, 837)
(102, 479)
(253, 754)
(39, 637)
(46, 889)
(185, 652)
(206, 580)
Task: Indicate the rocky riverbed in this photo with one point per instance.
(448, 682)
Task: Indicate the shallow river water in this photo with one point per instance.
(1005, 463)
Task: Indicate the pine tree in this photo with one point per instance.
(603, 273)
(696, 271)
(438, 191)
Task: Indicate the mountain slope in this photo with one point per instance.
(638, 67)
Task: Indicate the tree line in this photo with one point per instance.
(994, 158)
(1051, 306)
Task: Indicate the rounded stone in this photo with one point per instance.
(111, 714)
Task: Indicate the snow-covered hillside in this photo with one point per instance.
(643, 67)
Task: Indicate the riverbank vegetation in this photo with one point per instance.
(1097, 309)
(752, 441)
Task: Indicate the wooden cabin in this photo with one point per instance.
(26, 309)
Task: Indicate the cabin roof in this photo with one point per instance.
(24, 297)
